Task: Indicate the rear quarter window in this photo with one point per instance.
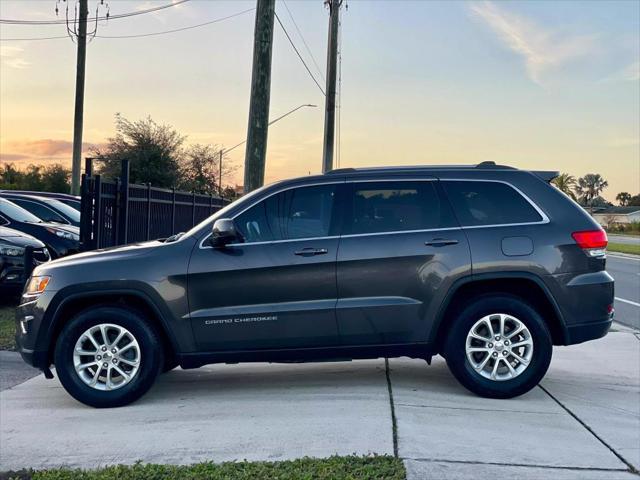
(482, 203)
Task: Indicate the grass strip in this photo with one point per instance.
(333, 468)
(7, 328)
(623, 248)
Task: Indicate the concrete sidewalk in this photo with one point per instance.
(582, 422)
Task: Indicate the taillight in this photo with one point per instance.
(593, 242)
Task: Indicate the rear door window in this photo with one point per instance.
(397, 206)
(482, 203)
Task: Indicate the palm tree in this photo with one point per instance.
(624, 198)
(566, 183)
(590, 187)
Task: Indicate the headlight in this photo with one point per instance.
(64, 234)
(37, 285)
(10, 250)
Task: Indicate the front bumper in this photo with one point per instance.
(31, 341)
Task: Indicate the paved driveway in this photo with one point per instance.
(583, 422)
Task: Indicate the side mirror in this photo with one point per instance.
(223, 232)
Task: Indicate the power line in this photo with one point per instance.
(92, 19)
(33, 38)
(217, 20)
(298, 53)
(303, 39)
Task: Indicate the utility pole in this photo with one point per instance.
(79, 108)
(258, 129)
(330, 102)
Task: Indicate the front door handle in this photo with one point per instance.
(310, 252)
(441, 242)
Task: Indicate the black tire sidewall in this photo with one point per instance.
(465, 373)
(150, 349)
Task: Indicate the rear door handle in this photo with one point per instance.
(310, 251)
(441, 242)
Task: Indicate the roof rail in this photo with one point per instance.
(340, 170)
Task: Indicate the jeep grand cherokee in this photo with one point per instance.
(486, 265)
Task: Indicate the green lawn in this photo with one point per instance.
(334, 468)
(7, 328)
(623, 248)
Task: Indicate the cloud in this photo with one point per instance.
(12, 157)
(541, 49)
(630, 73)
(12, 57)
(40, 149)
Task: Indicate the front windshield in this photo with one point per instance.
(221, 213)
(63, 208)
(16, 213)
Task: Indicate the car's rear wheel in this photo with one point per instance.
(498, 346)
(108, 356)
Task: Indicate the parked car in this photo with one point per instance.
(486, 265)
(61, 240)
(46, 209)
(71, 200)
(13, 244)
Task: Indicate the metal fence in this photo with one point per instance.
(118, 212)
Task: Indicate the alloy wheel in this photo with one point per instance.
(499, 347)
(106, 357)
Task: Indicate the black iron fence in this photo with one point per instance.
(118, 212)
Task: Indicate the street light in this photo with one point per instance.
(223, 152)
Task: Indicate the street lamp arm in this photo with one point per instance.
(223, 152)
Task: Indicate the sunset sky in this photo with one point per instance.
(536, 85)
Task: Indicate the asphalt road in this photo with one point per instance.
(626, 272)
(626, 239)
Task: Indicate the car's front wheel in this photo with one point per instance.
(498, 347)
(108, 356)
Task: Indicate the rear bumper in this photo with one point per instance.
(585, 301)
(587, 331)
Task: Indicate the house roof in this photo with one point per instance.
(617, 211)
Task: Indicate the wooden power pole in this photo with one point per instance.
(330, 102)
(256, 151)
(79, 108)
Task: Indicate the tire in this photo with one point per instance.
(504, 382)
(141, 361)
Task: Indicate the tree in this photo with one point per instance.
(623, 198)
(200, 169)
(38, 178)
(55, 178)
(634, 201)
(154, 152)
(566, 183)
(10, 177)
(610, 221)
(32, 178)
(590, 187)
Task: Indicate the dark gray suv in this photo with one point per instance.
(486, 265)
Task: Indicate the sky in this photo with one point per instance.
(536, 85)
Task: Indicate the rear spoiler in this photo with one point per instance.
(547, 176)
